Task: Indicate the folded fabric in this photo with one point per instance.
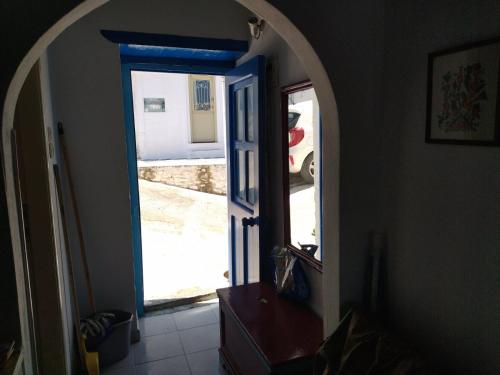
(361, 347)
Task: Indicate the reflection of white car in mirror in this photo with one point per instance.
(300, 140)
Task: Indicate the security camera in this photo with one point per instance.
(255, 25)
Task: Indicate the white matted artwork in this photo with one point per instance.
(463, 95)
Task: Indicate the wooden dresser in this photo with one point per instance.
(262, 333)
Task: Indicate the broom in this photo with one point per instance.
(98, 323)
(74, 203)
(88, 360)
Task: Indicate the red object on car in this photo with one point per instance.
(296, 135)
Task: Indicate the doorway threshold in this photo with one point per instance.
(161, 304)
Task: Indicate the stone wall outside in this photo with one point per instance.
(205, 178)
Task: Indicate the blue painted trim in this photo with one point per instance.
(263, 188)
(162, 64)
(126, 68)
(251, 72)
(241, 146)
(135, 211)
(180, 53)
(233, 251)
(175, 41)
(245, 254)
(230, 108)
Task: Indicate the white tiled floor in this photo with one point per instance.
(178, 343)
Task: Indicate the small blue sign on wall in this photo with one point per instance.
(154, 105)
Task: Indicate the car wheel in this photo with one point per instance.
(307, 170)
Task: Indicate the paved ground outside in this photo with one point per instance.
(302, 214)
(184, 241)
(184, 237)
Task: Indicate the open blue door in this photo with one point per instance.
(245, 89)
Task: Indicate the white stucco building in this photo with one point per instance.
(178, 116)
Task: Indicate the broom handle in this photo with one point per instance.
(76, 309)
(83, 252)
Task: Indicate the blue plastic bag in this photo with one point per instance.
(289, 277)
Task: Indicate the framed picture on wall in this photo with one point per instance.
(463, 100)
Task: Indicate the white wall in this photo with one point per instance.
(87, 98)
(348, 37)
(74, 69)
(166, 135)
(283, 69)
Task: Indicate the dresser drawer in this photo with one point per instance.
(238, 350)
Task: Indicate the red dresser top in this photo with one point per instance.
(282, 330)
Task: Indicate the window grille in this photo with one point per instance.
(154, 105)
(202, 95)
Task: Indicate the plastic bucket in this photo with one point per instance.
(116, 345)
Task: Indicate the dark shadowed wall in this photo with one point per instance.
(441, 203)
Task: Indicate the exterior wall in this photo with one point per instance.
(208, 178)
(167, 135)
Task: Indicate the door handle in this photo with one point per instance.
(250, 221)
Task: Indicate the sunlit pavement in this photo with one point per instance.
(184, 241)
(302, 214)
(184, 237)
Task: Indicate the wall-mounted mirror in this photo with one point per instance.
(302, 172)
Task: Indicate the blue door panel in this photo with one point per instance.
(245, 120)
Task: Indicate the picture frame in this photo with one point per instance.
(463, 95)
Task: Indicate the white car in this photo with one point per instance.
(300, 140)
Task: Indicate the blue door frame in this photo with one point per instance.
(183, 57)
(126, 71)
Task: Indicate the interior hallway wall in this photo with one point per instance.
(438, 204)
(348, 38)
(441, 202)
(283, 68)
(87, 98)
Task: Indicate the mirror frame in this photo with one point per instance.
(285, 92)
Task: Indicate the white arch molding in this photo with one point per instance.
(331, 147)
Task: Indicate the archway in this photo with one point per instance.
(331, 154)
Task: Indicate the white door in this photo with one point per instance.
(202, 108)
